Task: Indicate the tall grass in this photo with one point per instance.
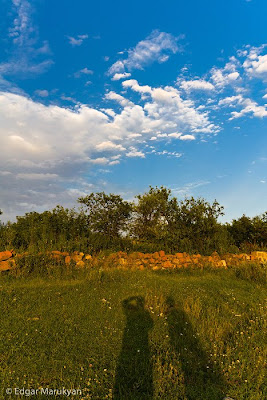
(188, 336)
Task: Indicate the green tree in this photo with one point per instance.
(154, 216)
(249, 233)
(197, 226)
(242, 230)
(59, 229)
(107, 214)
(260, 230)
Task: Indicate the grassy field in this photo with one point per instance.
(134, 335)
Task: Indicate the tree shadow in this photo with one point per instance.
(134, 373)
(202, 379)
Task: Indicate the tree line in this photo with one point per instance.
(155, 220)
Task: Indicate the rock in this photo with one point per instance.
(80, 264)
(5, 255)
(179, 255)
(167, 264)
(67, 260)
(7, 265)
(77, 257)
(122, 261)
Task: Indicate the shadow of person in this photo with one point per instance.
(134, 373)
(202, 380)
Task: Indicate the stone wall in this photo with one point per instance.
(154, 261)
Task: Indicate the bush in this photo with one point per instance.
(40, 265)
(252, 272)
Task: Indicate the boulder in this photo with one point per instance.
(7, 265)
(80, 264)
(5, 255)
(77, 257)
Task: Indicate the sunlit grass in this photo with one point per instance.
(71, 332)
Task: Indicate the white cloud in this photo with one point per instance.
(115, 162)
(68, 98)
(39, 176)
(45, 148)
(135, 153)
(197, 85)
(256, 67)
(231, 100)
(175, 135)
(188, 189)
(83, 71)
(109, 146)
(250, 107)
(134, 85)
(117, 77)
(100, 161)
(118, 98)
(78, 41)
(156, 47)
(247, 105)
(5, 173)
(42, 93)
(27, 56)
(22, 22)
(221, 78)
(166, 153)
(187, 137)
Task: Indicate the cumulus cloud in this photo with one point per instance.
(109, 146)
(255, 63)
(156, 47)
(196, 85)
(118, 98)
(187, 137)
(117, 77)
(46, 148)
(247, 106)
(167, 110)
(135, 153)
(222, 77)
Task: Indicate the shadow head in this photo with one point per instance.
(133, 304)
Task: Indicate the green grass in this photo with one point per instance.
(134, 335)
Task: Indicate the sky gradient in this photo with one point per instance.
(117, 96)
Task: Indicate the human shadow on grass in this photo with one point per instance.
(134, 374)
(202, 379)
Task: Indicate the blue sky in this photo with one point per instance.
(117, 96)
